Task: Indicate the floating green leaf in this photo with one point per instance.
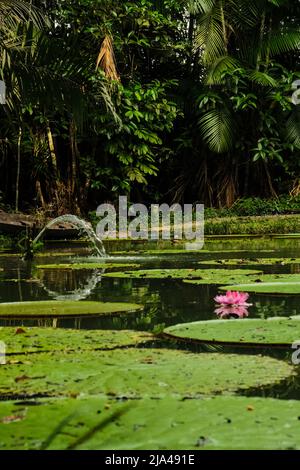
(55, 254)
(283, 331)
(53, 309)
(252, 261)
(136, 373)
(270, 284)
(30, 340)
(287, 236)
(203, 276)
(75, 266)
(180, 251)
(218, 423)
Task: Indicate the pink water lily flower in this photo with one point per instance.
(228, 312)
(233, 298)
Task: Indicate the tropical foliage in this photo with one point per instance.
(181, 100)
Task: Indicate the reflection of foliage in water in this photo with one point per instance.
(269, 309)
(165, 301)
(73, 286)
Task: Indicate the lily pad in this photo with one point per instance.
(7, 254)
(248, 332)
(56, 254)
(31, 340)
(75, 266)
(44, 254)
(53, 309)
(217, 423)
(270, 284)
(181, 251)
(203, 276)
(252, 261)
(287, 236)
(137, 373)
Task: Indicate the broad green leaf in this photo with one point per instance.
(76, 266)
(198, 276)
(243, 331)
(216, 423)
(137, 373)
(252, 261)
(27, 340)
(270, 284)
(54, 309)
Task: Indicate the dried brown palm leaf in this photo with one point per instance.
(106, 59)
(295, 192)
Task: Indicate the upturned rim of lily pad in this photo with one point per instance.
(66, 309)
(170, 332)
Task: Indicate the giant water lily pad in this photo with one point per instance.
(283, 331)
(270, 284)
(219, 423)
(31, 340)
(287, 235)
(203, 276)
(53, 309)
(55, 254)
(136, 373)
(76, 266)
(181, 251)
(49, 254)
(252, 261)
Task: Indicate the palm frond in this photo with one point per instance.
(12, 11)
(223, 64)
(200, 6)
(209, 36)
(281, 42)
(262, 78)
(293, 127)
(106, 60)
(216, 126)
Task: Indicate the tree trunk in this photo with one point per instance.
(39, 192)
(224, 27)
(18, 168)
(74, 157)
(52, 150)
(74, 167)
(54, 163)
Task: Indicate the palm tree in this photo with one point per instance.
(239, 44)
(14, 14)
(244, 35)
(45, 77)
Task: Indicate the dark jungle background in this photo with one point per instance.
(166, 100)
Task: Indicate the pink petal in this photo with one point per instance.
(233, 298)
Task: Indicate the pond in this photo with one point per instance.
(177, 294)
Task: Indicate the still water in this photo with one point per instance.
(166, 301)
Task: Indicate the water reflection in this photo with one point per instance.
(166, 301)
(69, 284)
(232, 312)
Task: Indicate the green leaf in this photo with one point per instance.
(216, 423)
(195, 276)
(216, 126)
(31, 340)
(148, 372)
(242, 331)
(54, 309)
